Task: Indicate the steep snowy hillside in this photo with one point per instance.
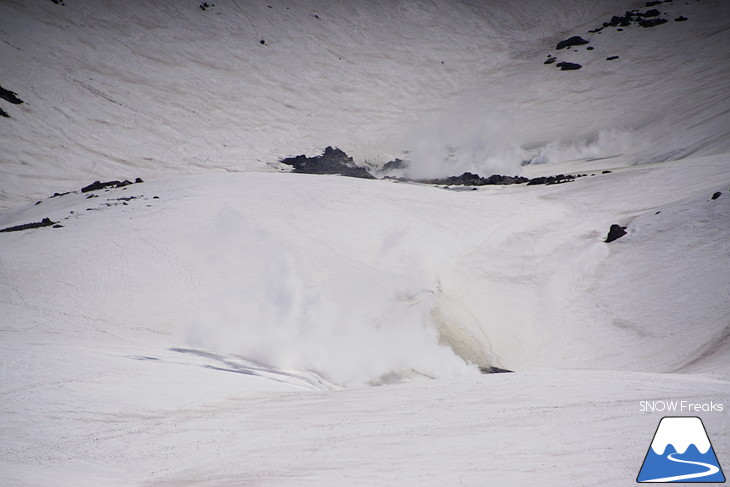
(145, 88)
(220, 321)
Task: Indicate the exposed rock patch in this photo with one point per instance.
(46, 222)
(573, 41)
(10, 96)
(494, 370)
(98, 185)
(615, 232)
(395, 164)
(649, 18)
(559, 179)
(332, 161)
(471, 179)
(566, 66)
(639, 17)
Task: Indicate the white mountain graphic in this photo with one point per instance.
(680, 452)
(680, 432)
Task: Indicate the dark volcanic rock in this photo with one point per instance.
(681, 18)
(550, 60)
(621, 20)
(652, 22)
(3, 113)
(655, 2)
(573, 41)
(650, 13)
(493, 370)
(10, 96)
(332, 161)
(471, 179)
(395, 164)
(611, 58)
(566, 66)
(548, 180)
(615, 232)
(46, 222)
(716, 195)
(97, 185)
(650, 18)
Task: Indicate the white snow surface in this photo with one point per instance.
(228, 323)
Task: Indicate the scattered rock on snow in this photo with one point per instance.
(566, 66)
(46, 222)
(716, 195)
(3, 113)
(573, 41)
(549, 180)
(650, 18)
(471, 179)
(615, 232)
(10, 96)
(97, 185)
(650, 13)
(652, 22)
(611, 58)
(493, 370)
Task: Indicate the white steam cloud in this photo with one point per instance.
(295, 308)
(464, 139)
(605, 143)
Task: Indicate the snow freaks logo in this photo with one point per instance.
(681, 452)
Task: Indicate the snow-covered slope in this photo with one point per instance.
(223, 322)
(146, 88)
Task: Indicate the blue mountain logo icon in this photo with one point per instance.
(681, 452)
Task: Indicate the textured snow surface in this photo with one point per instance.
(228, 323)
